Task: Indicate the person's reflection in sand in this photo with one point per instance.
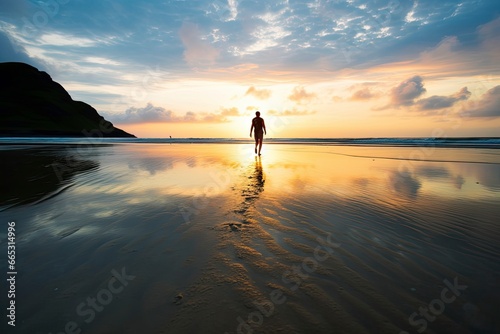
(256, 185)
(259, 176)
(250, 194)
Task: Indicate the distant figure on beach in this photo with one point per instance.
(260, 129)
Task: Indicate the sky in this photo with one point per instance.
(330, 69)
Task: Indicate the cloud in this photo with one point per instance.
(12, 52)
(406, 92)
(148, 114)
(268, 29)
(243, 68)
(56, 39)
(230, 112)
(262, 94)
(487, 106)
(233, 9)
(299, 94)
(153, 114)
(292, 112)
(211, 118)
(223, 11)
(442, 52)
(465, 48)
(363, 92)
(197, 50)
(440, 102)
(101, 61)
(490, 39)
(219, 117)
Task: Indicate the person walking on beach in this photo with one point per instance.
(259, 128)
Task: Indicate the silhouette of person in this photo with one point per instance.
(259, 129)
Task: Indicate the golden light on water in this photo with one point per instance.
(194, 169)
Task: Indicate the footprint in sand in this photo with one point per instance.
(178, 299)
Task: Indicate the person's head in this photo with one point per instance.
(257, 113)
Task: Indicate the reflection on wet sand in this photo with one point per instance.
(250, 194)
(245, 259)
(32, 174)
(256, 183)
(404, 183)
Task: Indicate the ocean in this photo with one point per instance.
(472, 142)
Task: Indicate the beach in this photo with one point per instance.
(210, 238)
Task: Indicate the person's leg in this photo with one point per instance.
(256, 143)
(260, 145)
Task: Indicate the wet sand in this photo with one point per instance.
(209, 238)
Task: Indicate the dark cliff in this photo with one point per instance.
(33, 105)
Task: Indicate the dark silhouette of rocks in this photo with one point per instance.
(33, 105)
